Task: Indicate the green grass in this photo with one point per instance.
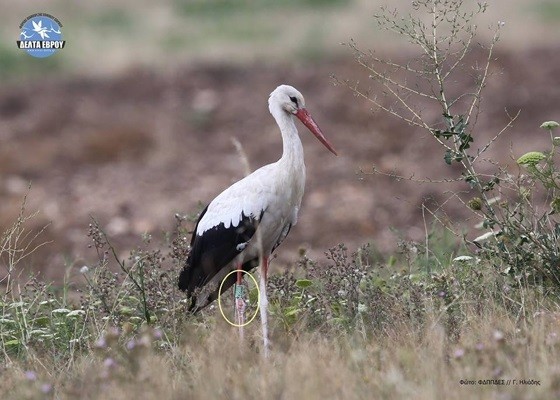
(548, 11)
(16, 63)
(114, 19)
(231, 7)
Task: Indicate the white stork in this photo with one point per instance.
(249, 220)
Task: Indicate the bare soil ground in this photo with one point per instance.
(135, 149)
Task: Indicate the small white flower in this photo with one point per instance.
(109, 362)
(501, 23)
(459, 353)
(482, 238)
(84, 270)
(31, 375)
(75, 313)
(462, 258)
(101, 343)
(37, 332)
(498, 336)
(46, 388)
(550, 125)
(61, 311)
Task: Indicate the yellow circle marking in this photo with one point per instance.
(220, 299)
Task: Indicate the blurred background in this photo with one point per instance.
(133, 121)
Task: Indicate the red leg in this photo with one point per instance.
(264, 305)
(239, 275)
(239, 299)
(265, 269)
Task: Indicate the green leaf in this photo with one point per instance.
(442, 134)
(254, 296)
(124, 310)
(291, 311)
(378, 282)
(448, 157)
(303, 283)
(41, 321)
(451, 156)
(460, 126)
(13, 342)
(465, 142)
(490, 184)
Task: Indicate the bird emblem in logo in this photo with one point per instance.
(41, 35)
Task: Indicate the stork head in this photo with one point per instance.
(291, 101)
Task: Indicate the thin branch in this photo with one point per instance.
(384, 79)
(482, 83)
(509, 125)
(410, 178)
(392, 112)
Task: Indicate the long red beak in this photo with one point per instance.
(310, 123)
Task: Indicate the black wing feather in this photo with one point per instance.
(212, 251)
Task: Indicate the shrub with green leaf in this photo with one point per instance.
(520, 236)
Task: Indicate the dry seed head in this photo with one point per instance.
(475, 203)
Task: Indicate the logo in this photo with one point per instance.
(40, 35)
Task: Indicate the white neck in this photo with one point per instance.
(292, 153)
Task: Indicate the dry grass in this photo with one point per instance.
(403, 362)
(390, 335)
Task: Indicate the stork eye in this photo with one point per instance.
(294, 99)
